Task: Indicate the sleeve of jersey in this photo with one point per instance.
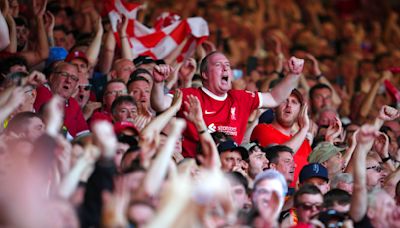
(43, 95)
(263, 135)
(253, 100)
(82, 126)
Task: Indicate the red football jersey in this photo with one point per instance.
(73, 118)
(228, 114)
(266, 134)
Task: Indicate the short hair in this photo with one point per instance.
(18, 123)
(338, 196)
(115, 80)
(61, 28)
(138, 72)
(21, 21)
(204, 62)
(272, 152)
(137, 78)
(271, 174)
(121, 100)
(61, 65)
(236, 178)
(305, 189)
(130, 140)
(341, 177)
(12, 61)
(317, 87)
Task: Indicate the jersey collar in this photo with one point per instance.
(212, 95)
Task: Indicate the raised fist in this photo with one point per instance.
(388, 113)
(295, 65)
(161, 72)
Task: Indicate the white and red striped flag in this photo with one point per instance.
(167, 35)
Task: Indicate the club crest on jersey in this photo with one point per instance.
(233, 113)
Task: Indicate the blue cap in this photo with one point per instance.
(56, 54)
(313, 170)
(230, 145)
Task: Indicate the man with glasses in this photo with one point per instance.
(308, 201)
(63, 81)
(375, 174)
(114, 89)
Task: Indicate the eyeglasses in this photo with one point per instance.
(309, 207)
(85, 87)
(68, 75)
(376, 168)
(116, 92)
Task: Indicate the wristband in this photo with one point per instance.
(202, 132)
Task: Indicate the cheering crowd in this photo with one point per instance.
(286, 116)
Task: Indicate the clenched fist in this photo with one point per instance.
(296, 65)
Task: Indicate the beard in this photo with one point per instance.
(285, 122)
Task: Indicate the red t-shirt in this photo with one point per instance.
(73, 118)
(227, 114)
(266, 134)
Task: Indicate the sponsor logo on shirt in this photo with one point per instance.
(232, 131)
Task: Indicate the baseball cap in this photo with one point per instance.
(76, 55)
(121, 126)
(323, 151)
(313, 170)
(248, 146)
(230, 145)
(56, 54)
(297, 94)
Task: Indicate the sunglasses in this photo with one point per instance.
(309, 207)
(85, 87)
(376, 168)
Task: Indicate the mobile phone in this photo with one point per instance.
(237, 74)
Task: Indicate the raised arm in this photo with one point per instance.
(94, 47)
(4, 35)
(321, 79)
(42, 50)
(368, 101)
(126, 51)
(159, 100)
(386, 113)
(158, 169)
(209, 157)
(158, 123)
(107, 56)
(365, 139)
(15, 97)
(282, 91)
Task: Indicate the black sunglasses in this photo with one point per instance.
(86, 87)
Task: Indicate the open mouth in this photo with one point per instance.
(225, 78)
